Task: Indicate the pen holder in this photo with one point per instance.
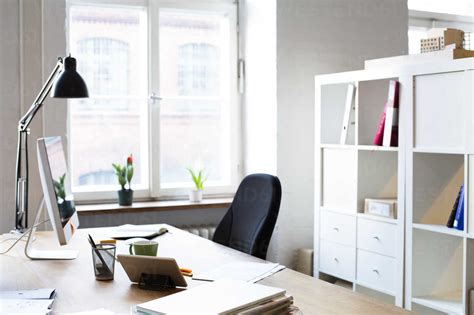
(103, 260)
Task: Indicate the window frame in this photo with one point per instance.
(155, 191)
(227, 7)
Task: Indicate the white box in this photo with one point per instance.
(381, 207)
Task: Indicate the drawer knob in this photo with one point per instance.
(375, 271)
(336, 229)
(336, 260)
(376, 238)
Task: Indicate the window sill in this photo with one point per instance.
(150, 206)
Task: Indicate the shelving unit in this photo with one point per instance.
(431, 265)
(349, 173)
(440, 261)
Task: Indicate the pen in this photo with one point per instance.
(186, 272)
(104, 264)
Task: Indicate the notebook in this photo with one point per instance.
(218, 297)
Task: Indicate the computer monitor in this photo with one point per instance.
(56, 184)
(58, 198)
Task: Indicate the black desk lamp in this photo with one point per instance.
(64, 82)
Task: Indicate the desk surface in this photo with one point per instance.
(79, 291)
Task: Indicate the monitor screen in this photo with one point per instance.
(61, 181)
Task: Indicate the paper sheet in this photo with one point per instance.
(45, 294)
(18, 306)
(245, 271)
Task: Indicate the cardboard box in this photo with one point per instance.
(381, 207)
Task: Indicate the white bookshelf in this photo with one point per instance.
(347, 174)
(432, 265)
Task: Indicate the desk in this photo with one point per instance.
(79, 291)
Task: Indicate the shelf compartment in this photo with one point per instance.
(377, 176)
(437, 273)
(450, 303)
(372, 96)
(333, 104)
(436, 182)
(439, 229)
(339, 179)
(441, 99)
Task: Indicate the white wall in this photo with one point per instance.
(258, 49)
(315, 37)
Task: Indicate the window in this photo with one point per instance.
(185, 55)
(427, 14)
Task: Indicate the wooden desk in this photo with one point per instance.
(79, 291)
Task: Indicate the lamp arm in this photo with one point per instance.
(38, 102)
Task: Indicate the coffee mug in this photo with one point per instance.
(146, 248)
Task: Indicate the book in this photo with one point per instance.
(390, 131)
(452, 216)
(459, 218)
(347, 113)
(378, 138)
(219, 297)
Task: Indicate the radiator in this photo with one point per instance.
(206, 231)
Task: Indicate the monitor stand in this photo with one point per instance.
(37, 254)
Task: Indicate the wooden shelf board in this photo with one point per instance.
(439, 229)
(437, 150)
(450, 302)
(377, 148)
(377, 218)
(337, 146)
(171, 205)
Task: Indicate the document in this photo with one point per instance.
(37, 294)
(29, 306)
(245, 271)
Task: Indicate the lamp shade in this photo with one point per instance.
(69, 83)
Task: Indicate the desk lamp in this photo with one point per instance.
(63, 82)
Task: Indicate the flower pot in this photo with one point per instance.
(125, 197)
(66, 209)
(195, 195)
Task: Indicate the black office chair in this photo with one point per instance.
(248, 224)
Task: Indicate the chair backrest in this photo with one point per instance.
(248, 224)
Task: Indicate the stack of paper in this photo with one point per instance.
(221, 297)
(245, 271)
(38, 301)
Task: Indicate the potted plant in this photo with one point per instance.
(66, 207)
(195, 195)
(124, 176)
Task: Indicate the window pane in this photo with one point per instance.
(110, 45)
(195, 110)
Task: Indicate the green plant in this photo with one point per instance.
(124, 173)
(59, 187)
(198, 178)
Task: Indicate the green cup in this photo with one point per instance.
(145, 248)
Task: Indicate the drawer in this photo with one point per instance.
(337, 260)
(376, 271)
(338, 228)
(378, 237)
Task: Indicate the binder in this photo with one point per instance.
(390, 133)
(459, 219)
(347, 113)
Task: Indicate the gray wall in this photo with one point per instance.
(316, 37)
(9, 107)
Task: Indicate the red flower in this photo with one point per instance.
(130, 160)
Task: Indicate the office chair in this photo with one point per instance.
(248, 224)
